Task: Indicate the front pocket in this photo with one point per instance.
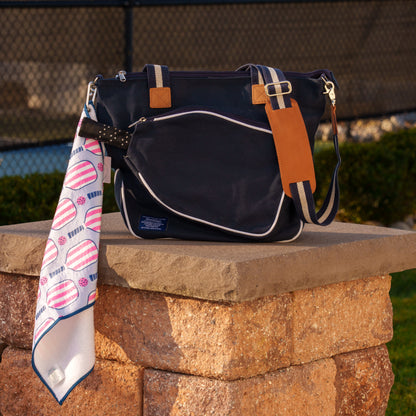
(211, 168)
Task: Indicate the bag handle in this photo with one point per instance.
(267, 82)
(158, 80)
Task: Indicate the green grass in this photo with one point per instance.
(402, 349)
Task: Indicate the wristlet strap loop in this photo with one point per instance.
(159, 86)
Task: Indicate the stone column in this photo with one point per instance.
(192, 328)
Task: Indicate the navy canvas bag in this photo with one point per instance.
(220, 156)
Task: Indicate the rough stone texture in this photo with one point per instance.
(111, 389)
(364, 380)
(299, 390)
(17, 309)
(218, 339)
(225, 271)
(2, 348)
(230, 341)
(339, 318)
(206, 338)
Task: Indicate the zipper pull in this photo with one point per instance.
(140, 120)
(121, 75)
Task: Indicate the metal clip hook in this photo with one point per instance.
(329, 89)
(91, 93)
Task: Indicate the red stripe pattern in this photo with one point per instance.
(65, 213)
(62, 294)
(81, 174)
(82, 255)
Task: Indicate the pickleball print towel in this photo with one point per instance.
(63, 340)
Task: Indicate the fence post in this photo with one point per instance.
(128, 35)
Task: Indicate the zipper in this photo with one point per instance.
(226, 117)
(124, 76)
(121, 76)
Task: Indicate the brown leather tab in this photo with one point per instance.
(160, 97)
(258, 94)
(292, 146)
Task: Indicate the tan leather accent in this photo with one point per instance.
(160, 97)
(258, 95)
(292, 146)
(334, 119)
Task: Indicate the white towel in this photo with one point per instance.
(63, 350)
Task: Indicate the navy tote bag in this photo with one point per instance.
(219, 156)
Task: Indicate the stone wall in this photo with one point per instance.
(198, 328)
(316, 351)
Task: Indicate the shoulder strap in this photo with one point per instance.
(303, 196)
(292, 145)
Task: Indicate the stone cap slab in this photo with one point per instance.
(225, 271)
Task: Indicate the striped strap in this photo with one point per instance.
(158, 80)
(303, 197)
(270, 84)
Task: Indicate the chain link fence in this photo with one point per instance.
(52, 49)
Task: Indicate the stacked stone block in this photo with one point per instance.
(194, 328)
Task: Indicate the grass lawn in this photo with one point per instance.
(402, 349)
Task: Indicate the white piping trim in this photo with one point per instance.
(210, 223)
(296, 236)
(230, 119)
(123, 202)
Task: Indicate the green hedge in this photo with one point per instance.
(377, 179)
(34, 197)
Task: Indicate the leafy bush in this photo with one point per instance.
(34, 197)
(377, 179)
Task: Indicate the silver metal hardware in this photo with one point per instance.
(91, 93)
(329, 89)
(289, 88)
(121, 76)
(140, 120)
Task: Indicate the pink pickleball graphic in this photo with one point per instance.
(43, 327)
(82, 255)
(93, 218)
(65, 213)
(62, 294)
(92, 297)
(83, 282)
(93, 146)
(51, 253)
(81, 174)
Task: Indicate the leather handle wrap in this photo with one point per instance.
(105, 133)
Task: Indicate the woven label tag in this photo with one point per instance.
(153, 223)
